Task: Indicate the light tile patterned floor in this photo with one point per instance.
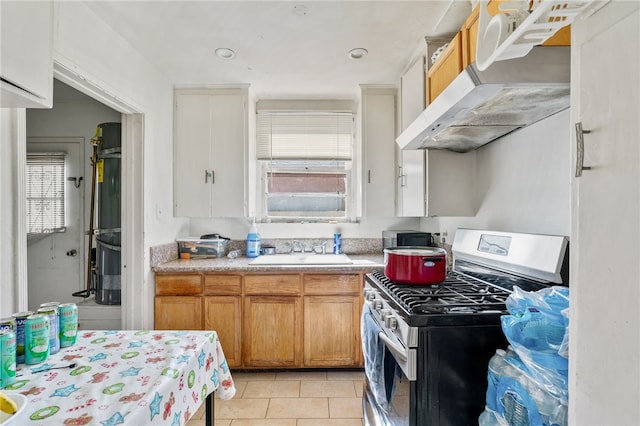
(291, 398)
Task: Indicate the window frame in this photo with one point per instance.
(61, 187)
(262, 168)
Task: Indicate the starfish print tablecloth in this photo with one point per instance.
(145, 377)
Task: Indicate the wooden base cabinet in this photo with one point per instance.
(331, 336)
(178, 313)
(332, 307)
(224, 315)
(272, 331)
(178, 305)
(268, 320)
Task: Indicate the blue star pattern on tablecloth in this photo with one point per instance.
(66, 391)
(176, 419)
(224, 366)
(97, 357)
(154, 407)
(41, 368)
(201, 359)
(136, 344)
(116, 419)
(131, 371)
(214, 378)
(111, 332)
(182, 359)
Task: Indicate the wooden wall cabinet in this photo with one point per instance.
(446, 68)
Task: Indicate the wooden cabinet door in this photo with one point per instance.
(446, 69)
(223, 314)
(332, 331)
(605, 98)
(470, 37)
(272, 335)
(178, 313)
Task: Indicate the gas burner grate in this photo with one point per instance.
(456, 295)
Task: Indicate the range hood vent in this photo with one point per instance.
(481, 106)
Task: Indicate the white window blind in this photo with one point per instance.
(304, 135)
(45, 193)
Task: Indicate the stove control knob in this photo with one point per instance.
(369, 295)
(390, 321)
(377, 304)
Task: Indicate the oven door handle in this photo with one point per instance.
(395, 348)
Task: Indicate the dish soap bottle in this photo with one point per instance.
(253, 241)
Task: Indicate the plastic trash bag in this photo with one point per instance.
(537, 329)
(515, 398)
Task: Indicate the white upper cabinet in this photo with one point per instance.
(210, 145)
(26, 54)
(605, 208)
(411, 177)
(378, 115)
(431, 182)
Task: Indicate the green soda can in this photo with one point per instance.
(21, 318)
(68, 313)
(36, 339)
(7, 358)
(54, 337)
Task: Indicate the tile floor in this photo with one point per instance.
(291, 398)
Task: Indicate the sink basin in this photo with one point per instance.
(302, 259)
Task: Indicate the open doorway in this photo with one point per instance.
(57, 263)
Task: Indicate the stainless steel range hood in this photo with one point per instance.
(481, 106)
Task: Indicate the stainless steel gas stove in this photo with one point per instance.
(427, 348)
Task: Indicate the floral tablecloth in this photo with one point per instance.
(124, 377)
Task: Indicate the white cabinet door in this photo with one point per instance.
(378, 145)
(26, 54)
(605, 228)
(411, 172)
(209, 152)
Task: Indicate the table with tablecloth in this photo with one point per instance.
(144, 377)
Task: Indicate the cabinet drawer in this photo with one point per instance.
(178, 284)
(222, 284)
(325, 284)
(272, 284)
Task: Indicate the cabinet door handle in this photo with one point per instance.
(368, 176)
(580, 132)
(208, 174)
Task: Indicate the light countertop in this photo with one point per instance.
(361, 263)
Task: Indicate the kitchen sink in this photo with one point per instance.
(302, 259)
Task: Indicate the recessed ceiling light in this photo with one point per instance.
(358, 53)
(224, 53)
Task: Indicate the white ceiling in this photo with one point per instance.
(284, 49)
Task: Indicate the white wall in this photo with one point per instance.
(85, 44)
(522, 183)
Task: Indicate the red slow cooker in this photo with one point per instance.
(415, 265)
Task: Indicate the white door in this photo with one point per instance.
(605, 248)
(55, 263)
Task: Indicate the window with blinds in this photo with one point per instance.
(45, 193)
(305, 163)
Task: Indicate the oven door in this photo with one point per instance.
(386, 391)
